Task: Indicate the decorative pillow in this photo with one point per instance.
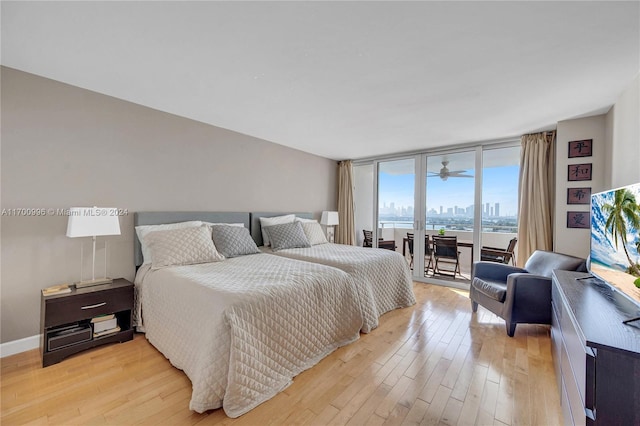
(233, 241)
(270, 221)
(143, 230)
(314, 233)
(182, 246)
(287, 235)
(226, 224)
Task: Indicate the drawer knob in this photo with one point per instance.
(97, 305)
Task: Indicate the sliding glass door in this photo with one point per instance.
(500, 173)
(449, 210)
(469, 196)
(395, 201)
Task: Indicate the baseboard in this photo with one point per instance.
(21, 345)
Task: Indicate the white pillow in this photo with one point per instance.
(143, 230)
(270, 221)
(303, 220)
(182, 246)
(314, 233)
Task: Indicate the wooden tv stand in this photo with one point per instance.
(596, 357)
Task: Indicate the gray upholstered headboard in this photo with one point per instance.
(256, 231)
(158, 218)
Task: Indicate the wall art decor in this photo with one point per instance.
(578, 220)
(578, 195)
(581, 148)
(579, 172)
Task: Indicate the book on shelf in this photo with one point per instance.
(100, 318)
(56, 289)
(106, 332)
(101, 326)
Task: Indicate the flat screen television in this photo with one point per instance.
(615, 239)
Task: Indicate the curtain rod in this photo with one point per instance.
(496, 142)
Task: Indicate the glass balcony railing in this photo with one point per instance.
(492, 236)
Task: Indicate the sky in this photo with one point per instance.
(500, 185)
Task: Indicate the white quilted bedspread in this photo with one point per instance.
(241, 329)
(382, 277)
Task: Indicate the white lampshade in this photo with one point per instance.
(92, 221)
(329, 218)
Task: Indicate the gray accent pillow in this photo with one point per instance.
(287, 235)
(185, 246)
(270, 221)
(233, 241)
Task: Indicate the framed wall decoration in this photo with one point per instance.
(580, 148)
(580, 220)
(578, 195)
(577, 172)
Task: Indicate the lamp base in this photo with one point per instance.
(89, 283)
(331, 236)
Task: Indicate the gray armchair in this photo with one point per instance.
(520, 295)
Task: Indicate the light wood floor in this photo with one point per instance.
(433, 363)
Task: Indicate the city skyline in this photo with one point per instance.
(488, 210)
(500, 186)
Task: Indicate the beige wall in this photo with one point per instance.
(623, 133)
(63, 146)
(616, 160)
(571, 240)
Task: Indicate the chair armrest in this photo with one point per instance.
(493, 251)
(528, 297)
(494, 271)
(524, 279)
(388, 244)
(483, 248)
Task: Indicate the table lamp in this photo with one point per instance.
(329, 219)
(92, 222)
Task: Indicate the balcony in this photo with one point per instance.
(495, 237)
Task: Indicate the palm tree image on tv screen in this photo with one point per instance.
(615, 238)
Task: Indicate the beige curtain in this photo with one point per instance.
(345, 233)
(536, 195)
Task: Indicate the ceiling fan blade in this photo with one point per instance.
(451, 172)
(460, 175)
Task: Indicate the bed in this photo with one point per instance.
(382, 277)
(240, 328)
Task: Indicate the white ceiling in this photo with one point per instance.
(340, 79)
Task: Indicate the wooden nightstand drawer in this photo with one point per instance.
(88, 305)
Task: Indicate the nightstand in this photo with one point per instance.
(65, 319)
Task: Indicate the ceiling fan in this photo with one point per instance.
(445, 173)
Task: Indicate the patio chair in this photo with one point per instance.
(493, 254)
(427, 251)
(445, 250)
(384, 244)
